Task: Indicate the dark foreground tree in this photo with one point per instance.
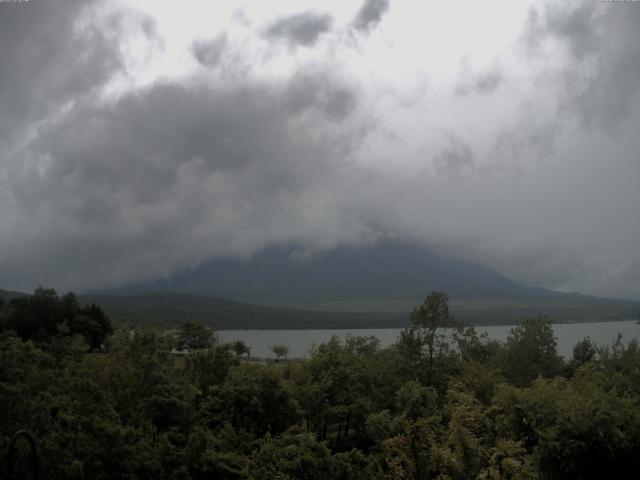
(194, 336)
(351, 411)
(294, 455)
(531, 352)
(428, 338)
(44, 315)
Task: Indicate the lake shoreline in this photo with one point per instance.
(301, 341)
(393, 326)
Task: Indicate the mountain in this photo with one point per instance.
(389, 270)
(348, 287)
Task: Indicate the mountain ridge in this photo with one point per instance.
(347, 287)
(391, 270)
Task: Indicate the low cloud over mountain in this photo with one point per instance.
(132, 147)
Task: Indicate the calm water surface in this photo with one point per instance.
(301, 341)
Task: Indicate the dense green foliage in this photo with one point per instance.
(442, 403)
(44, 314)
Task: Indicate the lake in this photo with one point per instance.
(301, 341)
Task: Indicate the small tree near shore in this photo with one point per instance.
(241, 348)
(280, 351)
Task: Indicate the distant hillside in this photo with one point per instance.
(347, 287)
(499, 310)
(171, 309)
(385, 271)
(8, 295)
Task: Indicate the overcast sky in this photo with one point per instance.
(141, 138)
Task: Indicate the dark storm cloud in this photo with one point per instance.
(300, 29)
(210, 52)
(601, 78)
(48, 59)
(148, 135)
(370, 14)
(166, 177)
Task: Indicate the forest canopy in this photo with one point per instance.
(441, 403)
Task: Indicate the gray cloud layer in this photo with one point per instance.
(601, 76)
(303, 28)
(210, 52)
(370, 14)
(47, 61)
(481, 84)
(169, 176)
(101, 191)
